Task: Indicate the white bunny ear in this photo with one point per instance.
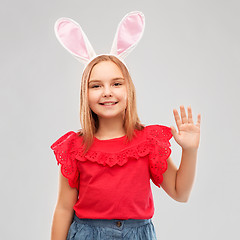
(71, 36)
(129, 33)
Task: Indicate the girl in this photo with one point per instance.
(106, 167)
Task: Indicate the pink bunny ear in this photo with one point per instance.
(129, 33)
(73, 39)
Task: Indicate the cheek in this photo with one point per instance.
(92, 97)
(91, 102)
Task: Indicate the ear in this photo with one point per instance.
(71, 36)
(129, 33)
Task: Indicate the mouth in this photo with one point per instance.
(107, 105)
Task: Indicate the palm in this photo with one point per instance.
(188, 136)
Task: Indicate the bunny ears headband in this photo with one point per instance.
(129, 32)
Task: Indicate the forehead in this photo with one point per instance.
(106, 70)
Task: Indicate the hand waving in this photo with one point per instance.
(189, 134)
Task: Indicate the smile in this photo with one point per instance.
(108, 104)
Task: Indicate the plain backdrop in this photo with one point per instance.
(189, 55)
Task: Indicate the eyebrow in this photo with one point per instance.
(113, 79)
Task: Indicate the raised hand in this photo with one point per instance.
(188, 136)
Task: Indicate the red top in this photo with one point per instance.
(113, 177)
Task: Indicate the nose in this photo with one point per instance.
(107, 91)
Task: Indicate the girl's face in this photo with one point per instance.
(107, 84)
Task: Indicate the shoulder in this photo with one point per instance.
(158, 131)
(67, 141)
(158, 139)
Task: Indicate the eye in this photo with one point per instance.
(94, 86)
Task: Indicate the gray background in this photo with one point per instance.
(189, 54)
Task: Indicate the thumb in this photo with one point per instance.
(174, 131)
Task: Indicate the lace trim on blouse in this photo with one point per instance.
(158, 137)
(63, 151)
(68, 151)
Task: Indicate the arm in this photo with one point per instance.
(178, 182)
(63, 215)
(185, 174)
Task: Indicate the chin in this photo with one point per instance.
(109, 116)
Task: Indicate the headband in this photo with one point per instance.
(129, 32)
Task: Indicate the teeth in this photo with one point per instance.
(108, 103)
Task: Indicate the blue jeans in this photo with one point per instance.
(111, 229)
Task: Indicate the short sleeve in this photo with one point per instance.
(158, 137)
(63, 150)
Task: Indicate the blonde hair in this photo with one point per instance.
(89, 120)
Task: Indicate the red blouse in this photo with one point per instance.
(113, 177)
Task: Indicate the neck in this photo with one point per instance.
(110, 128)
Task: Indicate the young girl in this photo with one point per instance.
(106, 167)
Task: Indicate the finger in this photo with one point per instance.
(177, 118)
(183, 114)
(190, 119)
(198, 120)
(173, 131)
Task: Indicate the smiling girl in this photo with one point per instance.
(106, 166)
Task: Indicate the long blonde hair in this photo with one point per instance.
(89, 120)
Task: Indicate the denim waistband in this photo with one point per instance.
(113, 223)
